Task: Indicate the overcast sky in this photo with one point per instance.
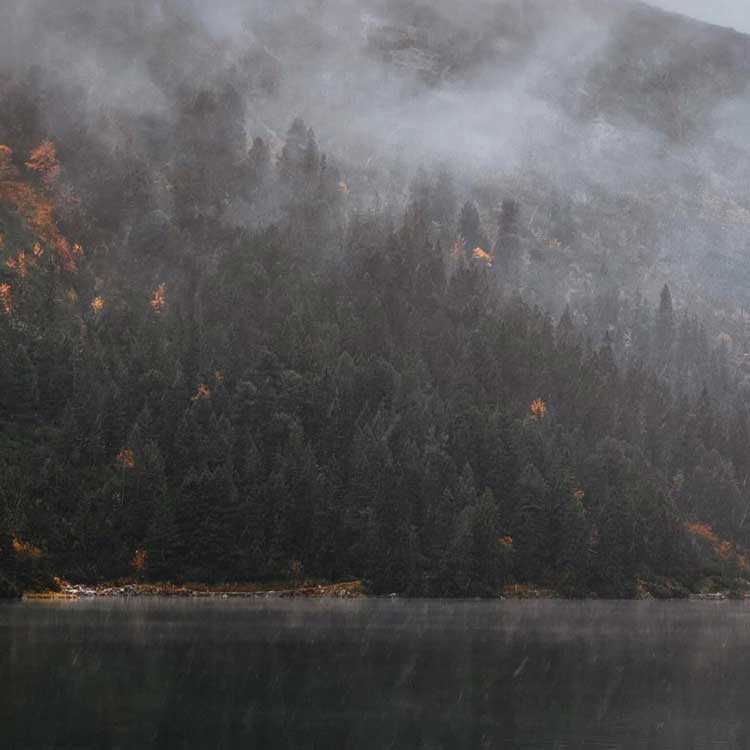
(733, 13)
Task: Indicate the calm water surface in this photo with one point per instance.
(157, 673)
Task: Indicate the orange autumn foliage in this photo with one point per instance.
(97, 304)
(203, 392)
(478, 254)
(126, 458)
(538, 409)
(5, 157)
(159, 298)
(24, 549)
(6, 298)
(34, 207)
(43, 160)
(68, 254)
(139, 563)
(726, 550)
(21, 263)
(703, 531)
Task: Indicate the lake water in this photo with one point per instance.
(361, 674)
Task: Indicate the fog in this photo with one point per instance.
(602, 100)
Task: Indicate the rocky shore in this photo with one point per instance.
(346, 590)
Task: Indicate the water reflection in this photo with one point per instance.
(374, 674)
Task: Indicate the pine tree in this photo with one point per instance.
(292, 158)
(665, 328)
(259, 164)
(470, 229)
(444, 201)
(507, 252)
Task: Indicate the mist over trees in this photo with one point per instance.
(232, 351)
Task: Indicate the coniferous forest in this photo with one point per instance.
(221, 359)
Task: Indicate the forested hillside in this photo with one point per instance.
(229, 356)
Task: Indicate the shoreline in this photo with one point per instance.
(323, 590)
(72, 591)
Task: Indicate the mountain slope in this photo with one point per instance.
(264, 350)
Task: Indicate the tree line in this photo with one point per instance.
(336, 390)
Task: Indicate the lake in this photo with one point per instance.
(374, 673)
